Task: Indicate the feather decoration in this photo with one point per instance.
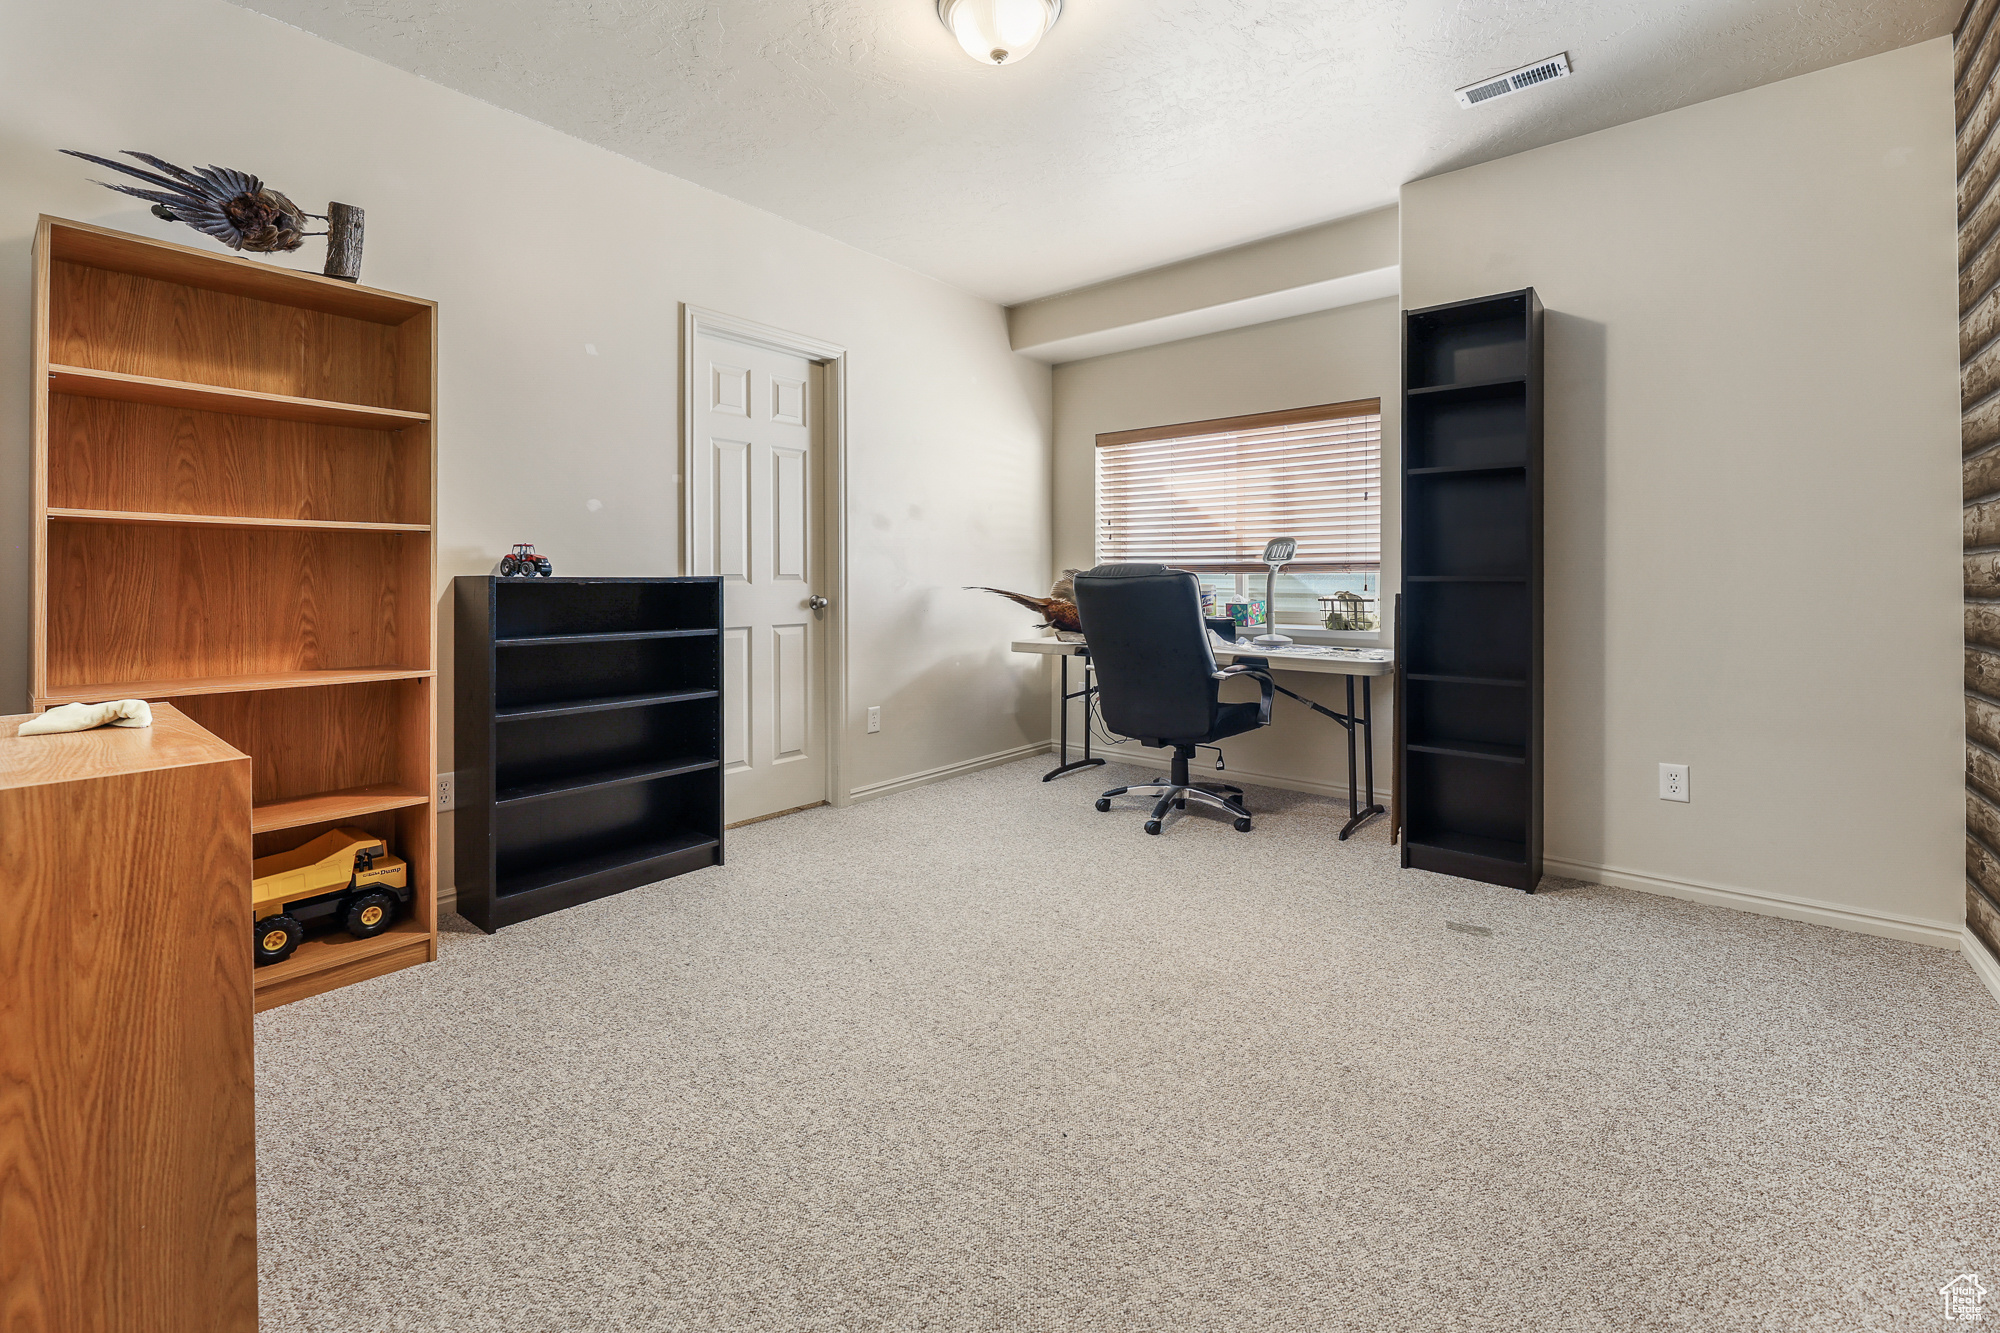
(233, 206)
(1058, 612)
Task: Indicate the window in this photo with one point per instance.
(1207, 495)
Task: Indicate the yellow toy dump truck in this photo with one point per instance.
(346, 875)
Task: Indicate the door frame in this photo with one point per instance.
(832, 361)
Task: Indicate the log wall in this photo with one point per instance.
(1976, 62)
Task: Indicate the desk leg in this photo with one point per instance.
(1359, 814)
(1062, 754)
(1089, 699)
(1368, 737)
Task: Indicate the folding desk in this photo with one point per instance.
(1363, 664)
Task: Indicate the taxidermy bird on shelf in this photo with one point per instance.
(1058, 609)
(238, 209)
(232, 206)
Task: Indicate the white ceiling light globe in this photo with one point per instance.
(998, 32)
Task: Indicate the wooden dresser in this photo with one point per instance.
(127, 1136)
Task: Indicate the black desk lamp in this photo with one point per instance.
(1278, 552)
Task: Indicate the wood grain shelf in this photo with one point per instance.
(179, 688)
(90, 246)
(225, 521)
(335, 953)
(235, 492)
(84, 382)
(137, 458)
(328, 806)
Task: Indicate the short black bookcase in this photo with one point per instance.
(589, 739)
(1471, 628)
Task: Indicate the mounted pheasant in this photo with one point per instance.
(1058, 609)
(232, 206)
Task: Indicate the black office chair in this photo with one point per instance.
(1157, 680)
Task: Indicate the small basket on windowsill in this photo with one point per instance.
(1350, 611)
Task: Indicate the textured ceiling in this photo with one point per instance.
(1140, 132)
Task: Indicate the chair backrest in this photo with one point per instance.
(1149, 646)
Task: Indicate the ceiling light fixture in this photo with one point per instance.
(998, 32)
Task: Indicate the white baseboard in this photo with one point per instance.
(1164, 759)
(1984, 965)
(929, 775)
(1916, 930)
(1890, 925)
(447, 900)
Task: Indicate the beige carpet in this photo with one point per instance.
(978, 1057)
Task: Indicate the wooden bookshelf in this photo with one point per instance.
(84, 383)
(227, 521)
(234, 500)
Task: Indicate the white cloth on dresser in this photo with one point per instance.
(82, 717)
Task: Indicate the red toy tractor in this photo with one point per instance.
(523, 563)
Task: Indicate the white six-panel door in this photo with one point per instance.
(757, 487)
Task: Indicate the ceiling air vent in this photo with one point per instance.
(1514, 81)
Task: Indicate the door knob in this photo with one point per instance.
(816, 602)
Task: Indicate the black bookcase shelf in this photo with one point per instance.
(1440, 391)
(624, 636)
(649, 860)
(1499, 754)
(589, 739)
(1470, 722)
(525, 711)
(596, 779)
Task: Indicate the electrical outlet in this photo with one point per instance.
(1673, 782)
(875, 719)
(447, 793)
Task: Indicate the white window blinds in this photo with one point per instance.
(1207, 495)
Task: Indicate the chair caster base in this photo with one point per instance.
(1179, 796)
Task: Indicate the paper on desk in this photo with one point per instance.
(1319, 650)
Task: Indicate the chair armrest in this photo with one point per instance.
(1258, 672)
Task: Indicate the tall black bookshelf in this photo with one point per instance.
(1471, 627)
(589, 727)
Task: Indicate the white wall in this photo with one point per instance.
(1753, 510)
(1334, 264)
(1332, 357)
(536, 244)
